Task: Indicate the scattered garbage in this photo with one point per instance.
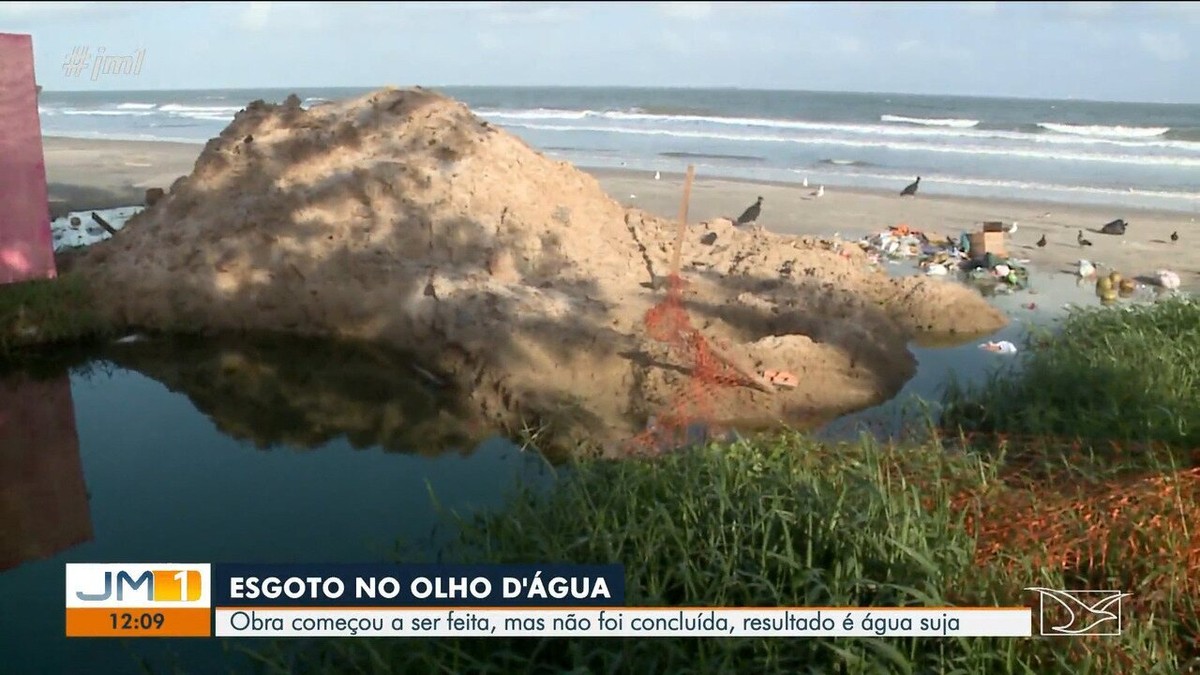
(1085, 268)
(897, 241)
(1001, 347)
(1167, 279)
(986, 269)
(82, 228)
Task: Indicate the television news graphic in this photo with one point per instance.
(372, 600)
(1086, 612)
(139, 599)
(534, 600)
(716, 622)
(417, 586)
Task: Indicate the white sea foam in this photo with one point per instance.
(890, 130)
(207, 109)
(137, 106)
(959, 149)
(107, 113)
(1103, 131)
(930, 122)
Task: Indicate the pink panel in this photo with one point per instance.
(44, 506)
(26, 249)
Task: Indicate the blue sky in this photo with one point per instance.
(1096, 50)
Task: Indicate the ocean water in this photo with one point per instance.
(1126, 154)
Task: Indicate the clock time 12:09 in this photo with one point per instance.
(143, 621)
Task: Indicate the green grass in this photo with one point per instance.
(785, 521)
(778, 523)
(1126, 375)
(47, 312)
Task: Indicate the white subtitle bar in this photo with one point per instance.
(624, 622)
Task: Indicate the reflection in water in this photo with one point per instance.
(43, 498)
(302, 393)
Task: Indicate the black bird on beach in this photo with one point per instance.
(1174, 236)
(1081, 240)
(751, 214)
(911, 190)
(1116, 227)
(1041, 243)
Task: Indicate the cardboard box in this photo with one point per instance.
(983, 243)
(993, 226)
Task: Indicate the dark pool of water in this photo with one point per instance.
(122, 465)
(268, 451)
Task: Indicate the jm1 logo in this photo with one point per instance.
(156, 585)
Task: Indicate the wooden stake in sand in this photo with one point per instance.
(738, 365)
(683, 215)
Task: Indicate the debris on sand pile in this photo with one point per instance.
(400, 216)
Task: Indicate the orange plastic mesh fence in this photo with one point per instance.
(694, 404)
(1151, 517)
(668, 322)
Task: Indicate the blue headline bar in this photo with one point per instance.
(383, 585)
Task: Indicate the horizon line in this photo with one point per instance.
(630, 87)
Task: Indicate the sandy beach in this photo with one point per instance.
(91, 174)
(792, 209)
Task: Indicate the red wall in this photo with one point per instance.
(26, 249)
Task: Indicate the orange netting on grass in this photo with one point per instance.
(1142, 518)
(1137, 530)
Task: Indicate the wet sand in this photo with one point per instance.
(92, 174)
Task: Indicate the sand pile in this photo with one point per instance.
(400, 216)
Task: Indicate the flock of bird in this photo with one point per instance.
(751, 214)
(1116, 227)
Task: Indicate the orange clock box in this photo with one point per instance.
(129, 622)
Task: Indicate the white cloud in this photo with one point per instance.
(255, 16)
(1088, 9)
(1163, 46)
(937, 51)
(846, 44)
(69, 11)
(488, 41)
(691, 11)
(981, 8)
(524, 12)
(676, 43)
(1188, 11)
